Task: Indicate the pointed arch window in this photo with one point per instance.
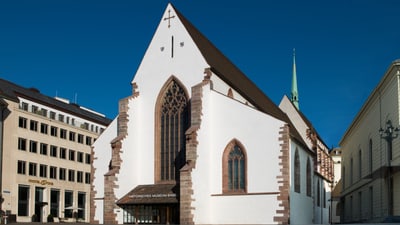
(370, 155)
(234, 168)
(309, 177)
(172, 121)
(296, 171)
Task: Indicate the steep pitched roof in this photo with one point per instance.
(230, 74)
(12, 91)
(307, 122)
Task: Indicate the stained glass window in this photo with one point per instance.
(236, 169)
(297, 171)
(174, 120)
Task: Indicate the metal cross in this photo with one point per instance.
(169, 18)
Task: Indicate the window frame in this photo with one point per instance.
(226, 189)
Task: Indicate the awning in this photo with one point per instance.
(151, 194)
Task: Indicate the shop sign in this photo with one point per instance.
(41, 182)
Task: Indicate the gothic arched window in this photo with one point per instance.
(172, 121)
(296, 171)
(309, 177)
(234, 168)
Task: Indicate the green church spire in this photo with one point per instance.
(294, 98)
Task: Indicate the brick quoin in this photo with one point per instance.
(282, 214)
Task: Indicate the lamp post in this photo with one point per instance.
(389, 133)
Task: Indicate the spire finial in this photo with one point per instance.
(294, 98)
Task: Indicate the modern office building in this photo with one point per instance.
(371, 156)
(45, 150)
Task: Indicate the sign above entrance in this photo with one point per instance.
(41, 182)
(154, 196)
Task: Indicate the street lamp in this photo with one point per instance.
(389, 134)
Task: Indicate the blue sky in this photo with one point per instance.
(89, 50)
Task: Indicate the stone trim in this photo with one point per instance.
(225, 171)
(93, 192)
(283, 213)
(110, 178)
(186, 184)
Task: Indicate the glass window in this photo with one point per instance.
(33, 146)
(53, 151)
(34, 125)
(24, 106)
(21, 167)
(87, 158)
(23, 200)
(81, 205)
(370, 155)
(53, 172)
(44, 128)
(80, 138)
(22, 122)
(309, 177)
(62, 174)
(87, 178)
(53, 131)
(79, 157)
(71, 155)
(61, 117)
(43, 148)
(234, 168)
(52, 115)
(35, 109)
(297, 171)
(43, 170)
(63, 133)
(88, 140)
(22, 144)
(63, 153)
(44, 112)
(79, 176)
(173, 121)
(54, 202)
(71, 175)
(68, 202)
(32, 169)
(72, 136)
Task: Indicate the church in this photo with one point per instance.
(197, 142)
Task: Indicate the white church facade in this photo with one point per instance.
(198, 143)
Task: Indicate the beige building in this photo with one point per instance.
(45, 146)
(336, 155)
(371, 156)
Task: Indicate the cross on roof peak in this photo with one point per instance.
(169, 18)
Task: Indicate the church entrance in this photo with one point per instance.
(151, 214)
(151, 204)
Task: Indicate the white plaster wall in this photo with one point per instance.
(223, 120)
(301, 205)
(102, 157)
(220, 86)
(321, 213)
(286, 106)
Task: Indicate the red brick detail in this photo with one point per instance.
(283, 214)
(110, 178)
(186, 185)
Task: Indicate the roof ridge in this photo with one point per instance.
(230, 73)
